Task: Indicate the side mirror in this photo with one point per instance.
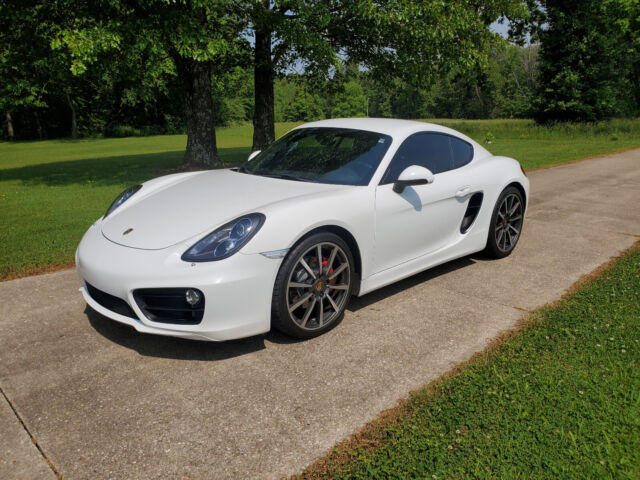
(413, 175)
(253, 154)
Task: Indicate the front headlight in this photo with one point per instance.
(123, 197)
(226, 240)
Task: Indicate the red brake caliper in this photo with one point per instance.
(324, 264)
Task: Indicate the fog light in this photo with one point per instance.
(192, 297)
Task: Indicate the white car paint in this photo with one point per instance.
(193, 204)
(397, 235)
(416, 172)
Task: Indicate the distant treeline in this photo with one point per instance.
(109, 106)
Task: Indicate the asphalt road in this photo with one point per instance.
(105, 402)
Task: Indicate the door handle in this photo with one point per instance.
(463, 192)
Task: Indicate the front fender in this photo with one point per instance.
(288, 221)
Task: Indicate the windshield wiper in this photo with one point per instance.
(285, 176)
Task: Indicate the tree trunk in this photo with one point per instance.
(38, 124)
(264, 132)
(195, 77)
(10, 131)
(74, 119)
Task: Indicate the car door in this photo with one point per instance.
(423, 218)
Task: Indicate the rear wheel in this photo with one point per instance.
(506, 223)
(313, 286)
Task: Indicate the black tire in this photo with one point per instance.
(307, 320)
(506, 224)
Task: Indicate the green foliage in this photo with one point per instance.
(413, 39)
(295, 102)
(558, 400)
(300, 31)
(233, 96)
(201, 30)
(53, 61)
(589, 67)
(389, 59)
(284, 92)
(24, 66)
(419, 41)
(304, 107)
(502, 89)
(397, 99)
(350, 101)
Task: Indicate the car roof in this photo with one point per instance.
(394, 127)
(389, 126)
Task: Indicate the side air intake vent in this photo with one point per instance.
(475, 202)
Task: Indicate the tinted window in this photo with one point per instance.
(429, 150)
(325, 155)
(462, 152)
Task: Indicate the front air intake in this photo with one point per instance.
(170, 305)
(110, 302)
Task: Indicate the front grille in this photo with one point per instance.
(110, 302)
(168, 305)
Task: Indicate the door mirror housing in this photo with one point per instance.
(253, 154)
(413, 175)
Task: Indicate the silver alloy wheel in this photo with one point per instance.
(318, 286)
(508, 222)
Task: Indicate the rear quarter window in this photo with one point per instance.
(462, 152)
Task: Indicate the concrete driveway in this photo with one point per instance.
(102, 401)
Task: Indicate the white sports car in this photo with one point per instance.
(332, 209)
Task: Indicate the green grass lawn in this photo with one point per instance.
(51, 191)
(536, 147)
(559, 400)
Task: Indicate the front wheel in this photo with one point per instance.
(313, 286)
(506, 223)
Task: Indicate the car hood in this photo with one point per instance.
(193, 204)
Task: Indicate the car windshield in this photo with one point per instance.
(324, 155)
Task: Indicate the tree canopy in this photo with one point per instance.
(589, 60)
(415, 40)
(123, 67)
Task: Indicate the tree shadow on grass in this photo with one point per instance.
(107, 171)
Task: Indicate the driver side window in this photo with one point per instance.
(429, 150)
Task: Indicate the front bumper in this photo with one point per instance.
(238, 289)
